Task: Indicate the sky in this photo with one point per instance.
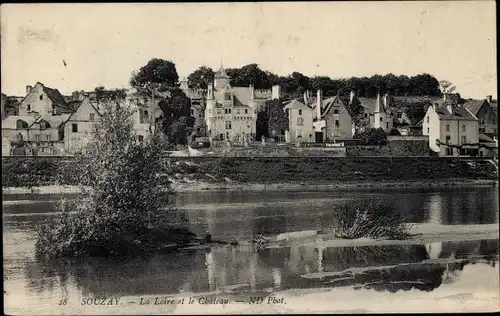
(102, 44)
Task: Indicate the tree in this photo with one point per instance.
(176, 120)
(249, 74)
(160, 71)
(102, 94)
(372, 137)
(121, 208)
(355, 109)
(446, 86)
(200, 78)
(415, 112)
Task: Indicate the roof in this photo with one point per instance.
(10, 122)
(241, 96)
(295, 104)
(55, 96)
(474, 105)
(221, 73)
(458, 112)
(53, 120)
(486, 138)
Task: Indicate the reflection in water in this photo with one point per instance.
(388, 268)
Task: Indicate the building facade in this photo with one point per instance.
(452, 129)
(79, 127)
(331, 119)
(231, 112)
(41, 101)
(300, 122)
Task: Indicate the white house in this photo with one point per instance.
(452, 129)
(300, 122)
(331, 119)
(79, 127)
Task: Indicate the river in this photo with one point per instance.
(35, 288)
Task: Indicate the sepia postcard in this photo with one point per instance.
(249, 158)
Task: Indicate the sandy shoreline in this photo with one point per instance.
(254, 187)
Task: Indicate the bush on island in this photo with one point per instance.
(369, 219)
(121, 208)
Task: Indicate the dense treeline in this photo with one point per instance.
(296, 84)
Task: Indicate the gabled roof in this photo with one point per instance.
(474, 105)
(55, 96)
(241, 96)
(10, 122)
(295, 104)
(94, 106)
(326, 105)
(458, 112)
(54, 120)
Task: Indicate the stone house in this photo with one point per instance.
(331, 119)
(79, 126)
(45, 135)
(300, 126)
(452, 129)
(41, 101)
(378, 112)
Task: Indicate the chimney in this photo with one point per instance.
(449, 107)
(489, 98)
(306, 98)
(444, 96)
(351, 96)
(319, 100)
(210, 91)
(28, 89)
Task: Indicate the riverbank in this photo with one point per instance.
(194, 187)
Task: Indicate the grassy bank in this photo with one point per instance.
(279, 173)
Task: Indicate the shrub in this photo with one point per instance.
(120, 210)
(369, 219)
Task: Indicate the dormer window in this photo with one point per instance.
(20, 124)
(43, 125)
(227, 96)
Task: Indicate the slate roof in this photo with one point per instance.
(474, 105)
(240, 96)
(56, 97)
(458, 112)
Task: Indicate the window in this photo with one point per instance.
(427, 119)
(335, 111)
(464, 139)
(91, 117)
(300, 121)
(246, 111)
(227, 96)
(199, 115)
(381, 119)
(337, 123)
(300, 112)
(49, 138)
(447, 128)
(428, 130)
(228, 124)
(449, 151)
(463, 128)
(254, 111)
(366, 115)
(41, 96)
(192, 112)
(209, 110)
(43, 125)
(448, 138)
(28, 107)
(74, 128)
(218, 111)
(141, 138)
(399, 116)
(20, 137)
(387, 125)
(37, 138)
(198, 129)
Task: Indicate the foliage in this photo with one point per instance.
(368, 219)
(201, 77)
(355, 110)
(415, 111)
(446, 86)
(394, 132)
(277, 118)
(176, 120)
(102, 94)
(158, 71)
(121, 208)
(372, 137)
